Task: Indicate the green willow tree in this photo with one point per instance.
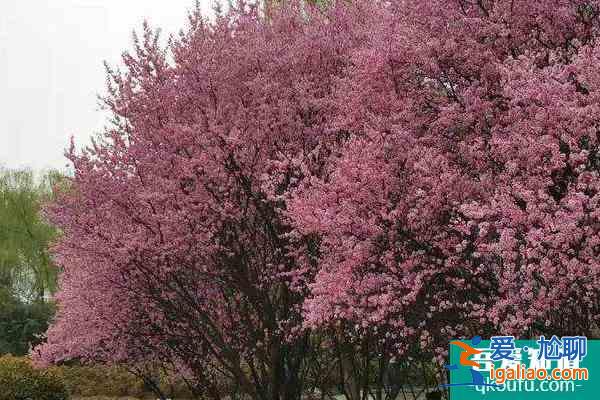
(27, 274)
(25, 264)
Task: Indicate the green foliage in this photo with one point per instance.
(27, 274)
(26, 268)
(87, 381)
(22, 323)
(20, 381)
(96, 381)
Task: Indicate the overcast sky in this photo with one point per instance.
(51, 54)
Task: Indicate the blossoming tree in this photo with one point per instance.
(466, 200)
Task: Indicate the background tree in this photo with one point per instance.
(27, 274)
(176, 247)
(26, 267)
(22, 324)
(466, 201)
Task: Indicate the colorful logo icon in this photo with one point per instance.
(469, 351)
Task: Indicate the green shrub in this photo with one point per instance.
(21, 323)
(20, 381)
(87, 381)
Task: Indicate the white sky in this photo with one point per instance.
(51, 54)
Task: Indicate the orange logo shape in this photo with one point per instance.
(467, 352)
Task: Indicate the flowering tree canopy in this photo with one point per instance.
(466, 199)
(390, 174)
